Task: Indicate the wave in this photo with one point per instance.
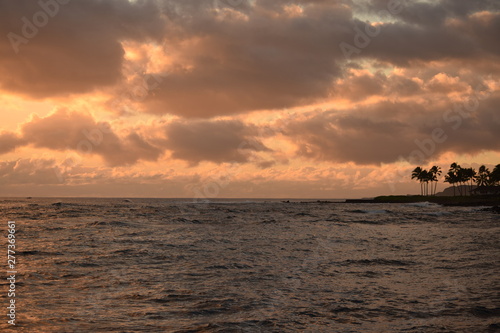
(370, 211)
(380, 261)
(423, 204)
(442, 213)
(103, 223)
(229, 266)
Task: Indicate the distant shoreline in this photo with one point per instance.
(478, 200)
(441, 200)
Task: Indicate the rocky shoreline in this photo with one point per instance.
(442, 200)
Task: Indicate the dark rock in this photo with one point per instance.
(494, 209)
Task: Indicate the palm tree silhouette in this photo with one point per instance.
(469, 175)
(453, 176)
(426, 177)
(495, 175)
(417, 174)
(434, 172)
(458, 177)
(483, 177)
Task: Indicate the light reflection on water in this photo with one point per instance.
(107, 265)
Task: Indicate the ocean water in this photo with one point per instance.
(153, 265)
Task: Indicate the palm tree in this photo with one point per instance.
(455, 175)
(426, 178)
(435, 171)
(468, 177)
(417, 174)
(451, 178)
(483, 177)
(454, 167)
(495, 175)
(462, 179)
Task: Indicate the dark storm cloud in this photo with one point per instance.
(425, 13)
(51, 48)
(266, 59)
(440, 30)
(387, 132)
(228, 57)
(269, 58)
(215, 141)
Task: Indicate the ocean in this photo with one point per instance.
(161, 265)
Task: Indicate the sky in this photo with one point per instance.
(244, 98)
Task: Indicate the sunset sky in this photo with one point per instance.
(244, 98)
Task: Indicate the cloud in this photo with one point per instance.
(42, 177)
(9, 142)
(349, 138)
(250, 57)
(72, 131)
(29, 171)
(386, 132)
(225, 58)
(358, 85)
(272, 55)
(441, 30)
(445, 84)
(361, 86)
(59, 49)
(194, 141)
(428, 13)
(79, 132)
(217, 141)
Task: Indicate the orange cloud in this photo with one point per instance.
(79, 132)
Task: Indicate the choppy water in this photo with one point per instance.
(109, 265)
